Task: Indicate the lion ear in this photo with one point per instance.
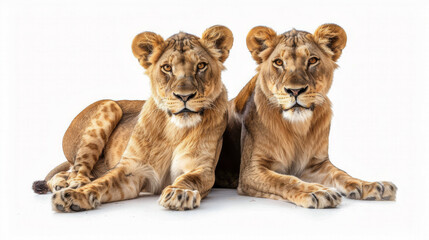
(259, 39)
(144, 45)
(332, 38)
(219, 38)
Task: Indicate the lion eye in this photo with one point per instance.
(278, 62)
(166, 67)
(201, 65)
(313, 60)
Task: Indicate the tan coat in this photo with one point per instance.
(279, 124)
(169, 144)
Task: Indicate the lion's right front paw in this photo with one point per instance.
(70, 200)
(179, 199)
(78, 181)
(322, 198)
(59, 185)
(58, 181)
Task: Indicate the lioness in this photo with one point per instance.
(279, 123)
(170, 143)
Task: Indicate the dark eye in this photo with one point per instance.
(313, 60)
(166, 67)
(201, 65)
(278, 62)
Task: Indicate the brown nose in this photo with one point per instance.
(185, 98)
(296, 92)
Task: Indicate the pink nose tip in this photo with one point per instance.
(296, 92)
(184, 98)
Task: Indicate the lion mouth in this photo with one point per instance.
(298, 106)
(187, 111)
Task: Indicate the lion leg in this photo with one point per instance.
(256, 179)
(324, 172)
(121, 183)
(86, 137)
(262, 182)
(187, 190)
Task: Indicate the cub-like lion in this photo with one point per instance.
(170, 143)
(279, 123)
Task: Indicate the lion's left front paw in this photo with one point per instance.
(370, 190)
(70, 200)
(387, 192)
(179, 199)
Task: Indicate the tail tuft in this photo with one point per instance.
(40, 187)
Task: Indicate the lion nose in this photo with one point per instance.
(185, 98)
(295, 92)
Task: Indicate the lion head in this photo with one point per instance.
(185, 71)
(296, 67)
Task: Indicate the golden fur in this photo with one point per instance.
(169, 144)
(279, 123)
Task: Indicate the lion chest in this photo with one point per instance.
(291, 154)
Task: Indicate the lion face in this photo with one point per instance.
(296, 68)
(185, 71)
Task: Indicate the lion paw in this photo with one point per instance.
(323, 198)
(57, 186)
(70, 200)
(58, 181)
(370, 190)
(389, 192)
(179, 199)
(78, 181)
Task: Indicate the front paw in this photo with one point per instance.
(356, 189)
(57, 186)
(78, 181)
(321, 198)
(70, 200)
(179, 199)
(389, 192)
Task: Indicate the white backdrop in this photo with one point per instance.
(56, 57)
